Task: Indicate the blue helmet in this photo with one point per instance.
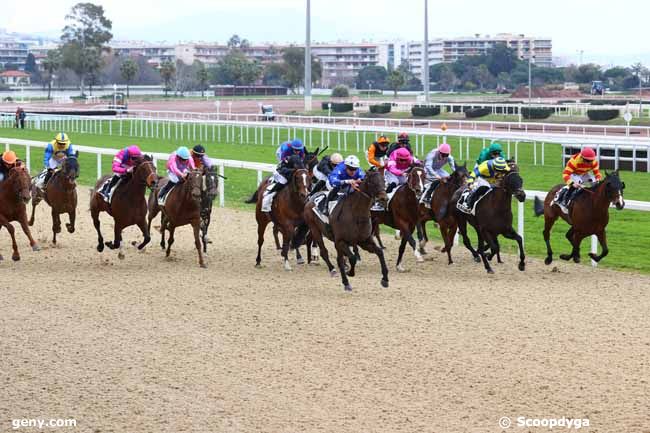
(183, 153)
(296, 144)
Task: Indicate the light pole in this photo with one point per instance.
(425, 75)
(308, 59)
(530, 77)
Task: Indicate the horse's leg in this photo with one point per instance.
(492, 244)
(276, 230)
(481, 253)
(170, 241)
(422, 236)
(512, 234)
(317, 236)
(299, 259)
(100, 239)
(56, 224)
(163, 227)
(341, 252)
(197, 243)
(577, 240)
(117, 242)
(569, 236)
(409, 238)
(261, 226)
(352, 257)
(22, 220)
(462, 228)
(12, 232)
(377, 234)
(72, 217)
(144, 228)
(402, 247)
(31, 219)
(548, 225)
(602, 239)
(357, 256)
(287, 238)
(448, 232)
(371, 247)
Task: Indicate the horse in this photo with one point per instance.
(61, 195)
(128, 206)
(403, 213)
(286, 212)
(493, 217)
(182, 206)
(209, 191)
(588, 215)
(350, 225)
(439, 211)
(14, 196)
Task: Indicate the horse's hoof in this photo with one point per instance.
(133, 243)
(384, 283)
(422, 251)
(70, 228)
(300, 261)
(347, 288)
(522, 266)
(451, 262)
(548, 260)
(566, 257)
(35, 247)
(100, 247)
(576, 259)
(15, 257)
(120, 256)
(333, 273)
(351, 274)
(401, 268)
(1, 258)
(203, 265)
(419, 259)
(477, 259)
(594, 257)
(490, 271)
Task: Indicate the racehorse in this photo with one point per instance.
(588, 215)
(182, 206)
(286, 212)
(350, 225)
(14, 195)
(209, 191)
(61, 195)
(493, 217)
(403, 213)
(440, 212)
(128, 205)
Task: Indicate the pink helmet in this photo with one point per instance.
(134, 151)
(588, 153)
(402, 154)
(444, 148)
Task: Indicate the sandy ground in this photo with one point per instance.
(154, 345)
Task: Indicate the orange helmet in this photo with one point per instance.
(9, 157)
(383, 140)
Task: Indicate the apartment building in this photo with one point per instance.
(526, 46)
(13, 51)
(155, 53)
(342, 62)
(413, 53)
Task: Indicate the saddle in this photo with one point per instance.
(317, 199)
(162, 199)
(565, 197)
(467, 195)
(377, 207)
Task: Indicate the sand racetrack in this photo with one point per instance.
(154, 345)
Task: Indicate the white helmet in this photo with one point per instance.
(352, 161)
(336, 158)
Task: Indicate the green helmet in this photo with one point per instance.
(496, 147)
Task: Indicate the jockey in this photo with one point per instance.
(493, 151)
(346, 176)
(280, 178)
(436, 159)
(8, 162)
(123, 164)
(395, 174)
(378, 151)
(486, 174)
(402, 141)
(324, 168)
(288, 148)
(55, 152)
(178, 165)
(576, 173)
(200, 158)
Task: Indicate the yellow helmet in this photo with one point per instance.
(62, 140)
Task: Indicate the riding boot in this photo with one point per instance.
(165, 189)
(46, 179)
(317, 187)
(323, 206)
(391, 187)
(429, 193)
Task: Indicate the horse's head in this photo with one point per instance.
(460, 175)
(70, 168)
(300, 183)
(311, 159)
(416, 181)
(375, 186)
(514, 184)
(21, 182)
(194, 181)
(145, 171)
(614, 189)
(210, 182)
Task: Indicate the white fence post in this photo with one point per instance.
(99, 165)
(594, 249)
(520, 220)
(222, 201)
(259, 177)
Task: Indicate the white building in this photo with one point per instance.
(526, 46)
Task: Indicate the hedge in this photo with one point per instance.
(380, 108)
(603, 114)
(342, 107)
(424, 111)
(340, 91)
(477, 112)
(536, 112)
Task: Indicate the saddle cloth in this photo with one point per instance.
(389, 196)
(317, 199)
(462, 204)
(564, 207)
(162, 200)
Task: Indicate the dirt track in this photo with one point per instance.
(149, 345)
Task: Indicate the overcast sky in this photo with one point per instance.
(607, 31)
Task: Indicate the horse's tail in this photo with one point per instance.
(252, 199)
(539, 206)
(300, 235)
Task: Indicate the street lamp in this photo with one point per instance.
(308, 58)
(425, 76)
(530, 77)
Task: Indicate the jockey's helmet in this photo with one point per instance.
(296, 144)
(402, 154)
(183, 153)
(403, 137)
(198, 150)
(495, 148)
(336, 158)
(352, 162)
(9, 157)
(588, 154)
(444, 149)
(500, 164)
(62, 139)
(134, 152)
(383, 140)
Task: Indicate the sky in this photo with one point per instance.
(607, 32)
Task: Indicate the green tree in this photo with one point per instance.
(167, 73)
(294, 61)
(202, 76)
(500, 58)
(84, 38)
(51, 65)
(274, 74)
(236, 69)
(395, 81)
(446, 78)
(32, 68)
(588, 72)
(483, 75)
(372, 77)
(128, 70)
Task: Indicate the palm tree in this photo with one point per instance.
(167, 72)
(51, 64)
(128, 69)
